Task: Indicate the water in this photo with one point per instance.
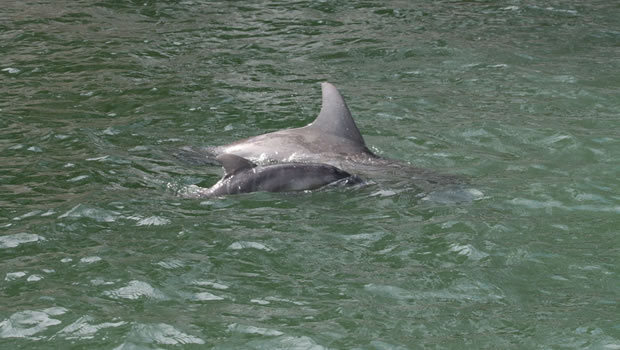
(520, 97)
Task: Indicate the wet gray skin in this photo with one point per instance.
(243, 176)
(331, 138)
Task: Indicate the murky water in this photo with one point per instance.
(520, 97)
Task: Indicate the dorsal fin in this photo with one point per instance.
(232, 163)
(335, 117)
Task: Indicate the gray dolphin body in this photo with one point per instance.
(243, 176)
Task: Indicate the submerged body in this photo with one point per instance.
(243, 176)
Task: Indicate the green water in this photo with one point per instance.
(520, 97)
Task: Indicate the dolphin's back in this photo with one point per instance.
(331, 137)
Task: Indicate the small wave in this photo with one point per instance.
(171, 264)
(11, 70)
(11, 276)
(77, 178)
(206, 296)
(90, 259)
(25, 324)
(153, 221)
(286, 342)
(160, 333)
(97, 214)
(469, 251)
(245, 245)
(211, 284)
(34, 278)
(135, 290)
(234, 327)
(83, 329)
(14, 240)
(535, 204)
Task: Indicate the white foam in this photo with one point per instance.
(153, 221)
(34, 278)
(135, 290)
(14, 240)
(234, 327)
(98, 214)
(206, 296)
(11, 70)
(83, 329)
(90, 259)
(11, 276)
(469, 251)
(160, 333)
(211, 284)
(245, 245)
(25, 324)
(77, 178)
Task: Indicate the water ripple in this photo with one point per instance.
(135, 290)
(160, 333)
(83, 328)
(14, 240)
(25, 324)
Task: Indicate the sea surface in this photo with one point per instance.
(519, 97)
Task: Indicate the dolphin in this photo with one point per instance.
(331, 138)
(243, 176)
